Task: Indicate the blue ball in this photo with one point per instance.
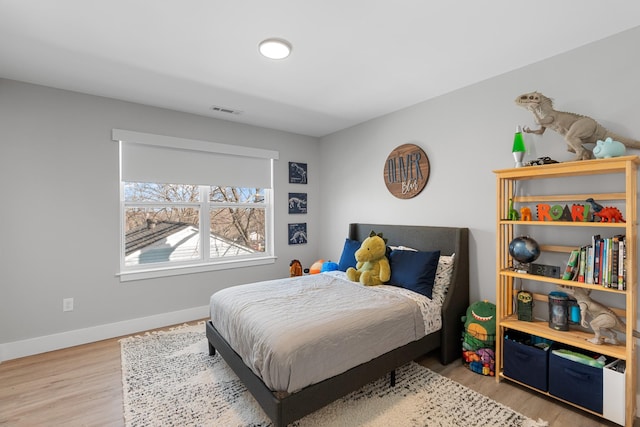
(328, 266)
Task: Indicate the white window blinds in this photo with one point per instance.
(163, 159)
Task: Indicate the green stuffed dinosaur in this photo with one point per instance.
(372, 266)
(576, 129)
(479, 325)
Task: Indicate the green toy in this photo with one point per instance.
(513, 214)
(479, 326)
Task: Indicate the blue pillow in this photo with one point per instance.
(415, 271)
(348, 257)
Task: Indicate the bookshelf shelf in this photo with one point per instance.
(618, 225)
(572, 337)
(548, 394)
(506, 230)
(514, 274)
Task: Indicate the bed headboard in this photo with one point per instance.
(447, 240)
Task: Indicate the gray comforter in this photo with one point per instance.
(299, 331)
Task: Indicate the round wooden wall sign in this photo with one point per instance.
(406, 171)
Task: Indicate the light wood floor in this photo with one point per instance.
(82, 386)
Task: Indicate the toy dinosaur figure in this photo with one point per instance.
(525, 213)
(604, 321)
(609, 214)
(575, 128)
(513, 214)
(595, 206)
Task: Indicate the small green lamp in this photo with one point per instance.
(518, 147)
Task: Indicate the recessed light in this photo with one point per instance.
(275, 48)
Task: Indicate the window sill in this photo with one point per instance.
(127, 276)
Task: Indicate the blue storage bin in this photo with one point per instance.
(575, 382)
(525, 362)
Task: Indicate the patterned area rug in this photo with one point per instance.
(169, 379)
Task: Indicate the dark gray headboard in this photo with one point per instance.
(447, 240)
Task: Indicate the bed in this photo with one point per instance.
(284, 407)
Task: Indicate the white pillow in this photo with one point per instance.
(402, 248)
(443, 278)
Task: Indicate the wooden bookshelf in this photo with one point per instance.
(508, 181)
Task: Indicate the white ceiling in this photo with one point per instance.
(352, 60)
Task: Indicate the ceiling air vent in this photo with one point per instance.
(226, 110)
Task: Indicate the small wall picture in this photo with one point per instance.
(298, 233)
(297, 203)
(297, 173)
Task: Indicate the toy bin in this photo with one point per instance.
(479, 338)
(526, 359)
(478, 352)
(576, 381)
(613, 392)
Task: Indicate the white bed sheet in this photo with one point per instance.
(299, 331)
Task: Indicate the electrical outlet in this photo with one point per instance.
(67, 304)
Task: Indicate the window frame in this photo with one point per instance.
(205, 263)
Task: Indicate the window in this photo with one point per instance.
(174, 217)
(162, 223)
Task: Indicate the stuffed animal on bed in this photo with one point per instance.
(372, 267)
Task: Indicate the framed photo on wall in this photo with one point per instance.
(297, 173)
(298, 233)
(297, 203)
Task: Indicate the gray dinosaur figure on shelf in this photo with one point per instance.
(575, 128)
(604, 321)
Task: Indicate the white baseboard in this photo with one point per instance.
(31, 346)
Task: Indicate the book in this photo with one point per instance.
(622, 271)
(603, 242)
(604, 261)
(582, 264)
(572, 264)
(596, 262)
(610, 262)
(615, 254)
(594, 239)
(589, 270)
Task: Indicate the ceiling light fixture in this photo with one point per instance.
(275, 48)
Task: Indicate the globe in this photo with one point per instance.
(524, 249)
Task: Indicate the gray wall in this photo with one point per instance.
(467, 134)
(59, 179)
(60, 220)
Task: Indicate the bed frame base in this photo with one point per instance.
(283, 411)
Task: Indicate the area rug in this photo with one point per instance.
(169, 379)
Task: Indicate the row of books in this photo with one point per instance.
(600, 263)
